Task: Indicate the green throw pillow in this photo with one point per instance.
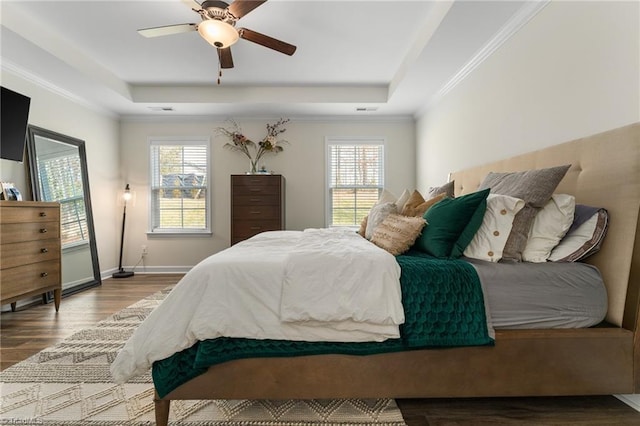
(451, 224)
(470, 230)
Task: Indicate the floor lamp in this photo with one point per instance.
(126, 196)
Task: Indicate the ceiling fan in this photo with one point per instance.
(218, 27)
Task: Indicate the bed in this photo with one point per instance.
(603, 359)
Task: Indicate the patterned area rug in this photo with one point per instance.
(70, 385)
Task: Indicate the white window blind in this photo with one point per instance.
(61, 181)
(180, 200)
(355, 179)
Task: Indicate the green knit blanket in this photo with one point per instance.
(443, 307)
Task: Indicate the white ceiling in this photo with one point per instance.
(393, 56)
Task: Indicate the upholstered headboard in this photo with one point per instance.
(605, 172)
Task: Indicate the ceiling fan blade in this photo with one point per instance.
(226, 60)
(266, 41)
(167, 30)
(240, 8)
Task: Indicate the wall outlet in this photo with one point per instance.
(145, 250)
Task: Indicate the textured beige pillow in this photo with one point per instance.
(417, 206)
(397, 233)
(535, 187)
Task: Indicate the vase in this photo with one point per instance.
(253, 167)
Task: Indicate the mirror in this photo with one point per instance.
(58, 172)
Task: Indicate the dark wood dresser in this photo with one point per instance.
(257, 205)
(29, 250)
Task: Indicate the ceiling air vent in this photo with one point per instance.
(366, 109)
(161, 108)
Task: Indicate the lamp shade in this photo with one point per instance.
(127, 197)
(218, 33)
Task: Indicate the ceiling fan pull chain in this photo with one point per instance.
(219, 73)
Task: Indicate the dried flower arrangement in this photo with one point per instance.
(270, 144)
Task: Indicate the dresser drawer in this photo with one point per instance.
(16, 214)
(251, 181)
(19, 232)
(262, 190)
(261, 213)
(16, 254)
(256, 200)
(249, 228)
(29, 278)
(256, 185)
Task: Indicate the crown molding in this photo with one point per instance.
(20, 72)
(298, 119)
(508, 30)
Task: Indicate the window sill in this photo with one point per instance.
(79, 245)
(178, 234)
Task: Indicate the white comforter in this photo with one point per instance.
(316, 285)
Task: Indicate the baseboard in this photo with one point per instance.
(148, 270)
(632, 400)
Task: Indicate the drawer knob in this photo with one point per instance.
(43, 230)
(256, 228)
(255, 200)
(43, 214)
(44, 250)
(255, 212)
(44, 274)
(256, 190)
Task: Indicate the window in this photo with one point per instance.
(355, 171)
(180, 199)
(61, 180)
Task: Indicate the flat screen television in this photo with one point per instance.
(14, 116)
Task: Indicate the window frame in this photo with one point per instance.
(349, 140)
(81, 221)
(180, 141)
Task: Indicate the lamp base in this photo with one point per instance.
(122, 274)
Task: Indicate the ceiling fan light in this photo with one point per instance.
(218, 33)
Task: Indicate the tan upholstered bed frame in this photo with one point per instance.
(605, 172)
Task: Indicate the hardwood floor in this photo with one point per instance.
(541, 411)
(31, 329)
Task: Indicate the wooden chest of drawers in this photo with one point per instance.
(257, 205)
(29, 250)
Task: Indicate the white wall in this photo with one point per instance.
(302, 164)
(100, 133)
(572, 71)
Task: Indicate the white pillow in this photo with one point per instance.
(402, 200)
(489, 241)
(549, 226)
(377, 214)
(386, 197)
(584, 240)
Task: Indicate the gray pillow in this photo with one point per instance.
(448, 188)
(535, 187)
